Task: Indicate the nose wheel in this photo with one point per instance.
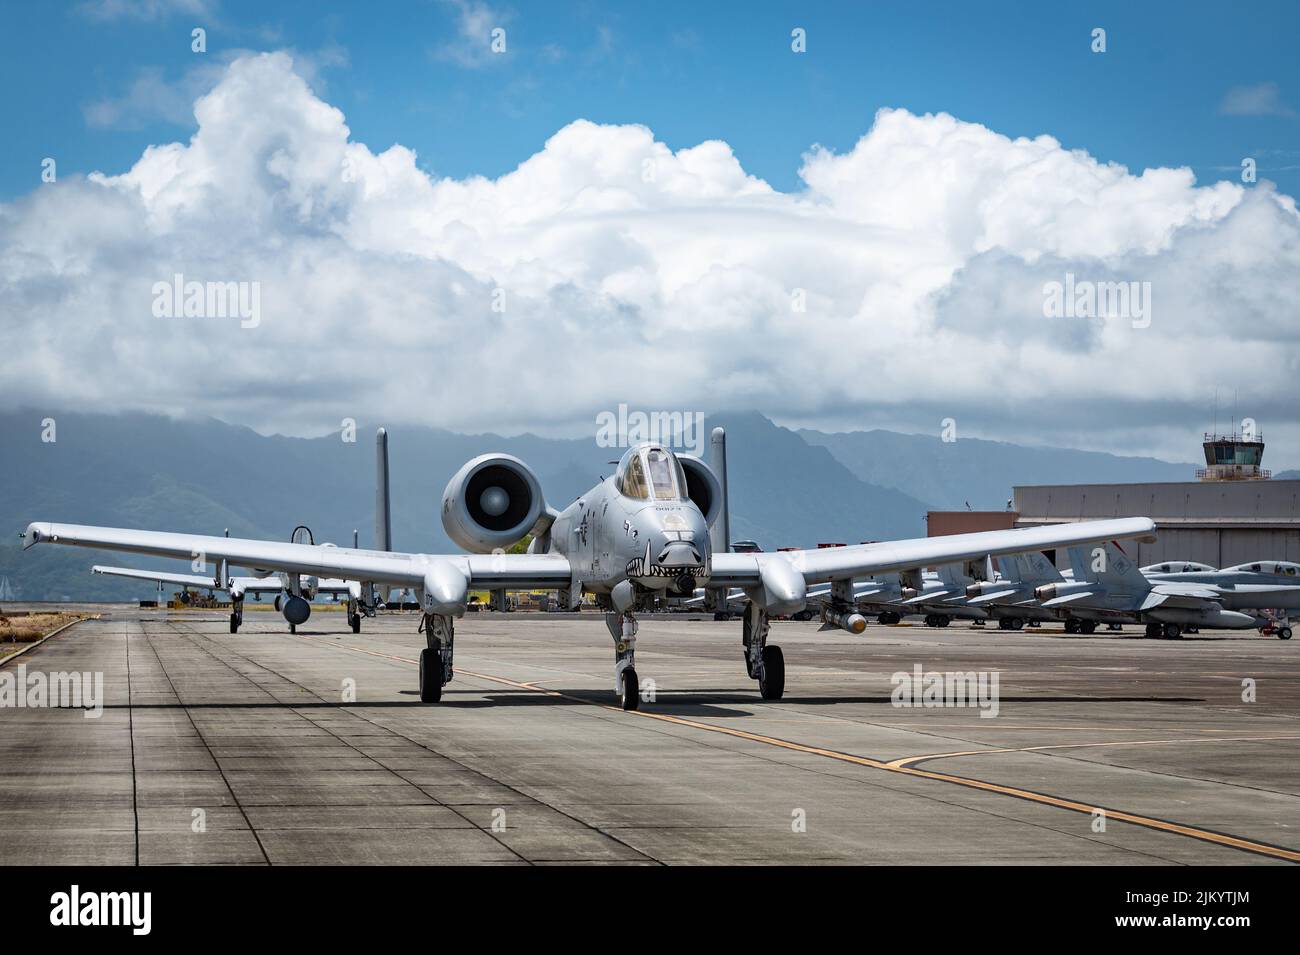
(623, 628)
(630, 691)
(436, 667)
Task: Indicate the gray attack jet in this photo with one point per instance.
(640, 534)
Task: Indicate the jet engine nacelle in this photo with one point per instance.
(702, 486)
(296, 609)
(491, 502)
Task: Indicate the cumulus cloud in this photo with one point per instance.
(902, 284)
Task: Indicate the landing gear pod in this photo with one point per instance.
(492, 502)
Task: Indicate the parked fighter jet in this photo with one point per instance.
(1010, 598)
(1258, 585)
(1107, 586)
(943, 596)
(642, 532)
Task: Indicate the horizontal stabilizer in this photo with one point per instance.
(1068, 598)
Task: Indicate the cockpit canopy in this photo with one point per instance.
(650, 472)
(1281, 567)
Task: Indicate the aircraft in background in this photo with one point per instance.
(644, 532)
(1257, 585)
(1108, 587)
(293, 592)
(1010, 598)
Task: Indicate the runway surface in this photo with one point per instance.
(265, 747)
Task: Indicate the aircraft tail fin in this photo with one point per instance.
(1032, 569)
(1107, 564)
(720, 533)
(383, 514)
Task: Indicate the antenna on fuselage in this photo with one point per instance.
(720, 532)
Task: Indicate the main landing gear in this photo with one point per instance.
(236, 615)
(762, 662)
(1011, 623)
(623, 628)
(888, 617)
(435, 659)
(354, 615)
(1169, 631)
(936, 620)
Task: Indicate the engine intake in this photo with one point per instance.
(491, 502)
(702, 486)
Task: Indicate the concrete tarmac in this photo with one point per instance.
(264, 747)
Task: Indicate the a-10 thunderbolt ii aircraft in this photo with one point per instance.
(640, 533)
(293, 592)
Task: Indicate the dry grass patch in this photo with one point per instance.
(27, 629)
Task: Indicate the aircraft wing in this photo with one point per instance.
(443, 575)
(158, 577)
(774, 572)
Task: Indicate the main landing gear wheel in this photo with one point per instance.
(1284, 633)
(1004, 623)
(1154, 631)
(234, 623)
(356, 623)
(1173, 631)
(1017, 623)
(293, 628)
(430, 675)
(1071, 625)
(1087, 626)
(630, 692)
(771, 685)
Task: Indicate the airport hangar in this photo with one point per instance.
(1233, 513)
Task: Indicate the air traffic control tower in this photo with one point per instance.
(1233, 513)
(1233, 457)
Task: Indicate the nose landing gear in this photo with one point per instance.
(436, 659)
(623, 628)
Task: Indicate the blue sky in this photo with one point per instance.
(404, 72)
(893, 278)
